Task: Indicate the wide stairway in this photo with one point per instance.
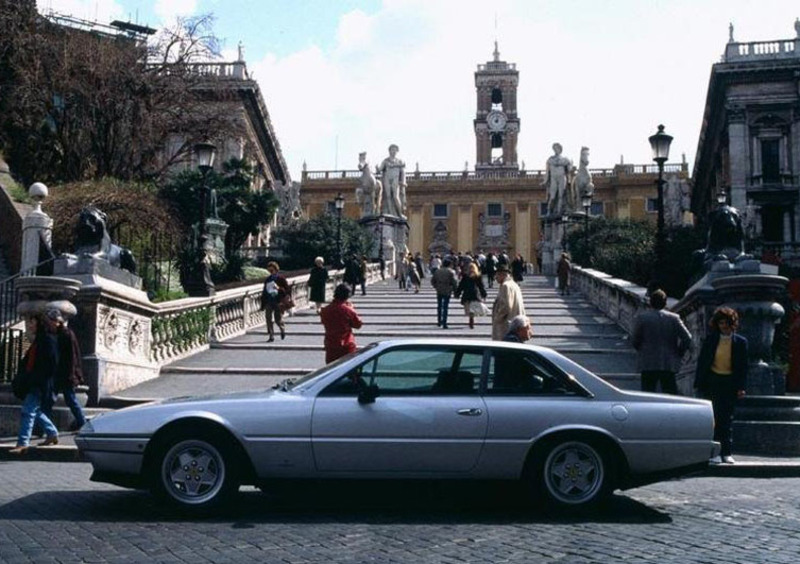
(568, 324)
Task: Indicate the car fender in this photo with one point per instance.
(541, 441)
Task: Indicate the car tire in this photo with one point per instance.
(575, 473)
(195, 474)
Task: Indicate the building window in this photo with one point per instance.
(542, 209)
(770, 161)
(652, 205)
(494, 210)
(439, 210)
(331, 208)
(597, 208)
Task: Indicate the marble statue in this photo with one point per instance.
(676, 200)
(393, 174)
(582, 184)
(369, 192)
(558, 169)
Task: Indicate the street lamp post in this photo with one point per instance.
(204, 153)
(339, 202)
(660, 143)
(586, 201)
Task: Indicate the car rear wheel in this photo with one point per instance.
(576, 473)
(195, 474)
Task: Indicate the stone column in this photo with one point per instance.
(415, 229)
(523, 232)
(465, 234)
(37, 228)
(739, 151)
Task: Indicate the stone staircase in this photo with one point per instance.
(568, 324)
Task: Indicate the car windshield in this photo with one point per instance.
(293, 384)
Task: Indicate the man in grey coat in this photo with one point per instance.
(661, 339)
(444, 281)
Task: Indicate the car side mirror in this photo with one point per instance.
(368, 394)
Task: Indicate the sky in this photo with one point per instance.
(344, 76)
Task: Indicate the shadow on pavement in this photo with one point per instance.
(333, 502)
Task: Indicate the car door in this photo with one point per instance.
(427, 418)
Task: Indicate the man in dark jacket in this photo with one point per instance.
(661, 339)
(444, 281)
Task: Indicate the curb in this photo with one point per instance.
(760, 469)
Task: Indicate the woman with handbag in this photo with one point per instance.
(275, 291)
(40, 365)
(472, 293)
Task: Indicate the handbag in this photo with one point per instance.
(21, 384)
(478, 308)
(286, 302)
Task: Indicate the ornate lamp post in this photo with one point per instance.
(586, 202)
(204, 153)
(660, 143)
(339, 202)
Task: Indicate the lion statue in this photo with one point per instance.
(92, 239)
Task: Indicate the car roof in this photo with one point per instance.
(479, 343)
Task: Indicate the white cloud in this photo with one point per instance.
(168, 10)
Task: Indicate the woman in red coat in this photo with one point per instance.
(339, 319)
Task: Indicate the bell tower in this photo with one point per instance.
(496, 122)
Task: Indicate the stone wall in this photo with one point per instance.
(11, 215)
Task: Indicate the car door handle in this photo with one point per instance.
(471, 412)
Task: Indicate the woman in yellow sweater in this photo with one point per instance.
(722, 375)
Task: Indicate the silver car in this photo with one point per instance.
(430, 409)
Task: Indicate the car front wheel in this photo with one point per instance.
(196, 474)
(576, 473)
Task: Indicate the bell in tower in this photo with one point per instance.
(496, 122)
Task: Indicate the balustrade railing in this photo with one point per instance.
(480, 176)
(776, 49)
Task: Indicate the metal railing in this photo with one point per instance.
(12, 332)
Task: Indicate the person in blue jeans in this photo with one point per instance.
(40, 364)
(69, 373)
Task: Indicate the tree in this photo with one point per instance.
(624, 249)
(303, 242)
(244, 210)
(78, 105)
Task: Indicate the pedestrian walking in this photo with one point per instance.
(362, 274)
(445, 282)
(69, 373)
(317, 282)
(413, 274)
(40, 365)
(563, 271)
(472, 293)
(418, 262)
(517, 268)
(722, 375)
(507, 305)
(489, 269)
(661, 339)
(352, 273)
(402, 268)
(275, 290)
(339, 319)
(435, 263)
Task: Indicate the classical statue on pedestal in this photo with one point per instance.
(558, 169)
(582, 183)
(393, 173)
(369, 192)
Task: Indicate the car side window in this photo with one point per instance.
(428, 371)
(521, 373)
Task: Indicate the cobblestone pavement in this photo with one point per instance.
(50, 512)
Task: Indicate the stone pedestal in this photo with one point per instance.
(553, 243)
(215, 243)
(390, 235)
(89, 270)
(37, 229)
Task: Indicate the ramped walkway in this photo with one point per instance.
(568, 324)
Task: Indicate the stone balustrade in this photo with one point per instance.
(475, 176)
(762, 50)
